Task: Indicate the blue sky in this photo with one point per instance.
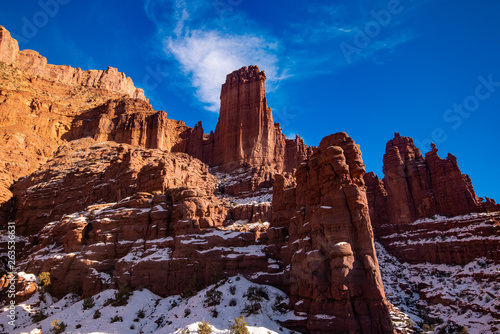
(427, 69)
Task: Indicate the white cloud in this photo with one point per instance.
(206, 57)
(207, 47)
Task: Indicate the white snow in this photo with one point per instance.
(466, 294)
(162, 315)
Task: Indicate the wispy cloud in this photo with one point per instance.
(206, 48)
(207, 56)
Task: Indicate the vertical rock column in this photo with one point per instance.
(245, 131)
(334, 275)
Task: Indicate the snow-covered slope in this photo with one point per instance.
(437, 297)
(146, 312)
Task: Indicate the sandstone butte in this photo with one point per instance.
(417, 187)
(107, 192)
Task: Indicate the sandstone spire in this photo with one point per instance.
(246, 131)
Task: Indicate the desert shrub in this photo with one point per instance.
(217, 277)
(252, 308)
(212, 297)
(121, 296)
(159, 321)
(88, 303)
(232, 289)
(239, 326)
(97, 314)
(78, 326)
(39, 316)
(116, 318)
(141, 314)
(214, 313)
(454, 328)
(232, 302)
(57, 327)
(44, 279)
(279, 305)
(187, 312)
(44, 282)
(256, 294)
(42, 296)
(204, 327)
(185, 331)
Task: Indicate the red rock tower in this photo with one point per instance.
(245, 131)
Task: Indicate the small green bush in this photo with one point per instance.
(239, 326)
(204, 327)
(116, 318)
(191, 289)
(212, 298)
(187, 312)
(97, 314)
(57, 327)
(141, 314)
(121, 297)
(88, 303)
(256, 294)
(39, 316)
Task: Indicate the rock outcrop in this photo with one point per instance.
(32, 63)
(417, 187)
(456, 240)
(84, 172)
(334, 274)
(168, 243)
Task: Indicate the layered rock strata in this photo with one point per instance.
(417, 187)
(32, 63)
(325, 225)
(84, 172)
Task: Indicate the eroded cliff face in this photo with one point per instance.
(84, 172)
(43, 106)
(32, 63)
(334, 273)
(417, 187)
(246, 132)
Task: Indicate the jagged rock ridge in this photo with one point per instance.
(417, 187)
(32, 63)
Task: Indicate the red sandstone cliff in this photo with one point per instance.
(416, 187)
(32, 63)
(246, 132)
(334, 272)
